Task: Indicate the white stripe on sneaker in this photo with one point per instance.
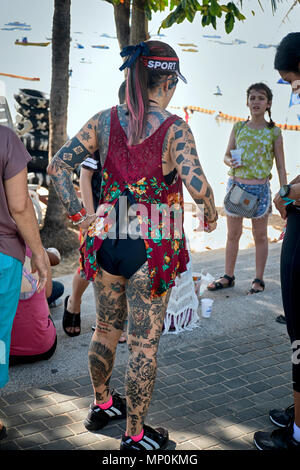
(156, 446)
(145, 445)
(112, 411)
(118, 412)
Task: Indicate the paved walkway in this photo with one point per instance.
(214, 387)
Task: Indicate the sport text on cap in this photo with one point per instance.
(163, 64)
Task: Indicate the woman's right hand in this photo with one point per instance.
(210, 227)
(39, 264)
(87, 222)
(231, 162)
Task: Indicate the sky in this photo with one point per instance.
(94, 84)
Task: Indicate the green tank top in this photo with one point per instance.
(257, 151)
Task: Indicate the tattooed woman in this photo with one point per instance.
(145, 155)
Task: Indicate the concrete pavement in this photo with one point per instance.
(214, 387)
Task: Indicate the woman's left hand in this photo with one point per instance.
(280, 205)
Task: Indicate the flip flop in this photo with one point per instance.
(70, 320)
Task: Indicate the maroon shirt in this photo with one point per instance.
(138, 168)
(13, 159)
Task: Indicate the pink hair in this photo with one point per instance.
(138, 81)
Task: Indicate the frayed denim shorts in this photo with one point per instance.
(262, 191)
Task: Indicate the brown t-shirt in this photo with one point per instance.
(13, 159)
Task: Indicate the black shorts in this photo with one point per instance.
(122, 257)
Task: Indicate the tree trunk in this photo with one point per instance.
(122, 15)
(55, 231)
(139, 22)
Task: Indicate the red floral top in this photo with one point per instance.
(138, 169)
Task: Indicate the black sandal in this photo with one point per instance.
(219, 285)
(70, 320)
(255, 291)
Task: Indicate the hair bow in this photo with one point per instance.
(133, 52)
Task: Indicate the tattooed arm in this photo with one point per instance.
(184, 156)
(68, 158)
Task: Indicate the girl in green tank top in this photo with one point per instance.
(259, 143)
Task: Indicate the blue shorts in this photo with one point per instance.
(10, 285)
(262, 191)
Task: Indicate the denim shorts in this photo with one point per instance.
(262, 191)
(10, 286)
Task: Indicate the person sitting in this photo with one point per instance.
(33, 336)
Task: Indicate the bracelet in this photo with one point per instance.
(289, 201)
(86, 216)
(76, 217)
(81, 220)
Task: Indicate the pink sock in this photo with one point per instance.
(137, 438)
(105, 406)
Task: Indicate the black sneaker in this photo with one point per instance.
(153, 439)
(283, 418)
(280, 439)
(97, 418)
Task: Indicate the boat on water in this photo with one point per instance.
(85, 61)
(16, 23)
(100, 47)
(190, 50)
(187, 44)
(27, 43)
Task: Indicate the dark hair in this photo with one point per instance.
(121, 93)
(268, 91)
(288, 53)
(139, 80)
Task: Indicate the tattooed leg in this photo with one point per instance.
(111, 311)
(145, 323)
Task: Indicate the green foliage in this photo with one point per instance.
(210, 11)
(157, 5)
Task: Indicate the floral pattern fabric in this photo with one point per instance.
(138, 169)
(257, 151)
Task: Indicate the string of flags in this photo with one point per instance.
(227, 117)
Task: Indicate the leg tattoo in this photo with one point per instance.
(145, 322)
(111, 311)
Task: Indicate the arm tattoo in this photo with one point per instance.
(72, 154)
(184, 155)
(103, 130)
(66, 192)
(68, 158)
